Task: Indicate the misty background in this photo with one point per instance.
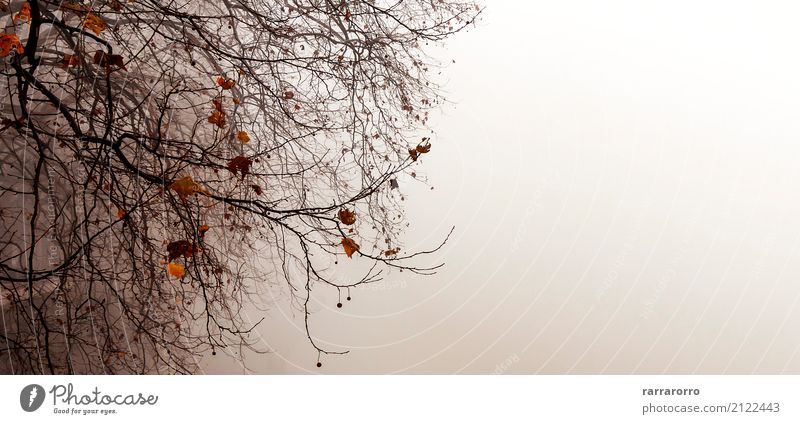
(622, 176)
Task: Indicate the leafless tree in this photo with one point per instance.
(164, 161)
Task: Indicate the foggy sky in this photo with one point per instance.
(622, 176)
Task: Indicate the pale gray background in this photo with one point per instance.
(623, 179)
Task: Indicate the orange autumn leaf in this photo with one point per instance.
(120, 213)
(243, 137)
(70, 60)
(202, 230)
(8, 43)
(421, 148)
(350, 246)
(186, 187)
(424, 147)
(179, 248)
(347, 216)
(121, 355)
(94, 23)
(236, 101)
(225, 84)
(240, 164)
(176, 270)
(217, 117)
(24, 14)
(107, 60)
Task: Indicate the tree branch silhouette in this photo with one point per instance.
(164, 162)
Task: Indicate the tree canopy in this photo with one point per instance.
(162, 161)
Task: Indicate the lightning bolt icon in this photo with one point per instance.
(32, 396)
